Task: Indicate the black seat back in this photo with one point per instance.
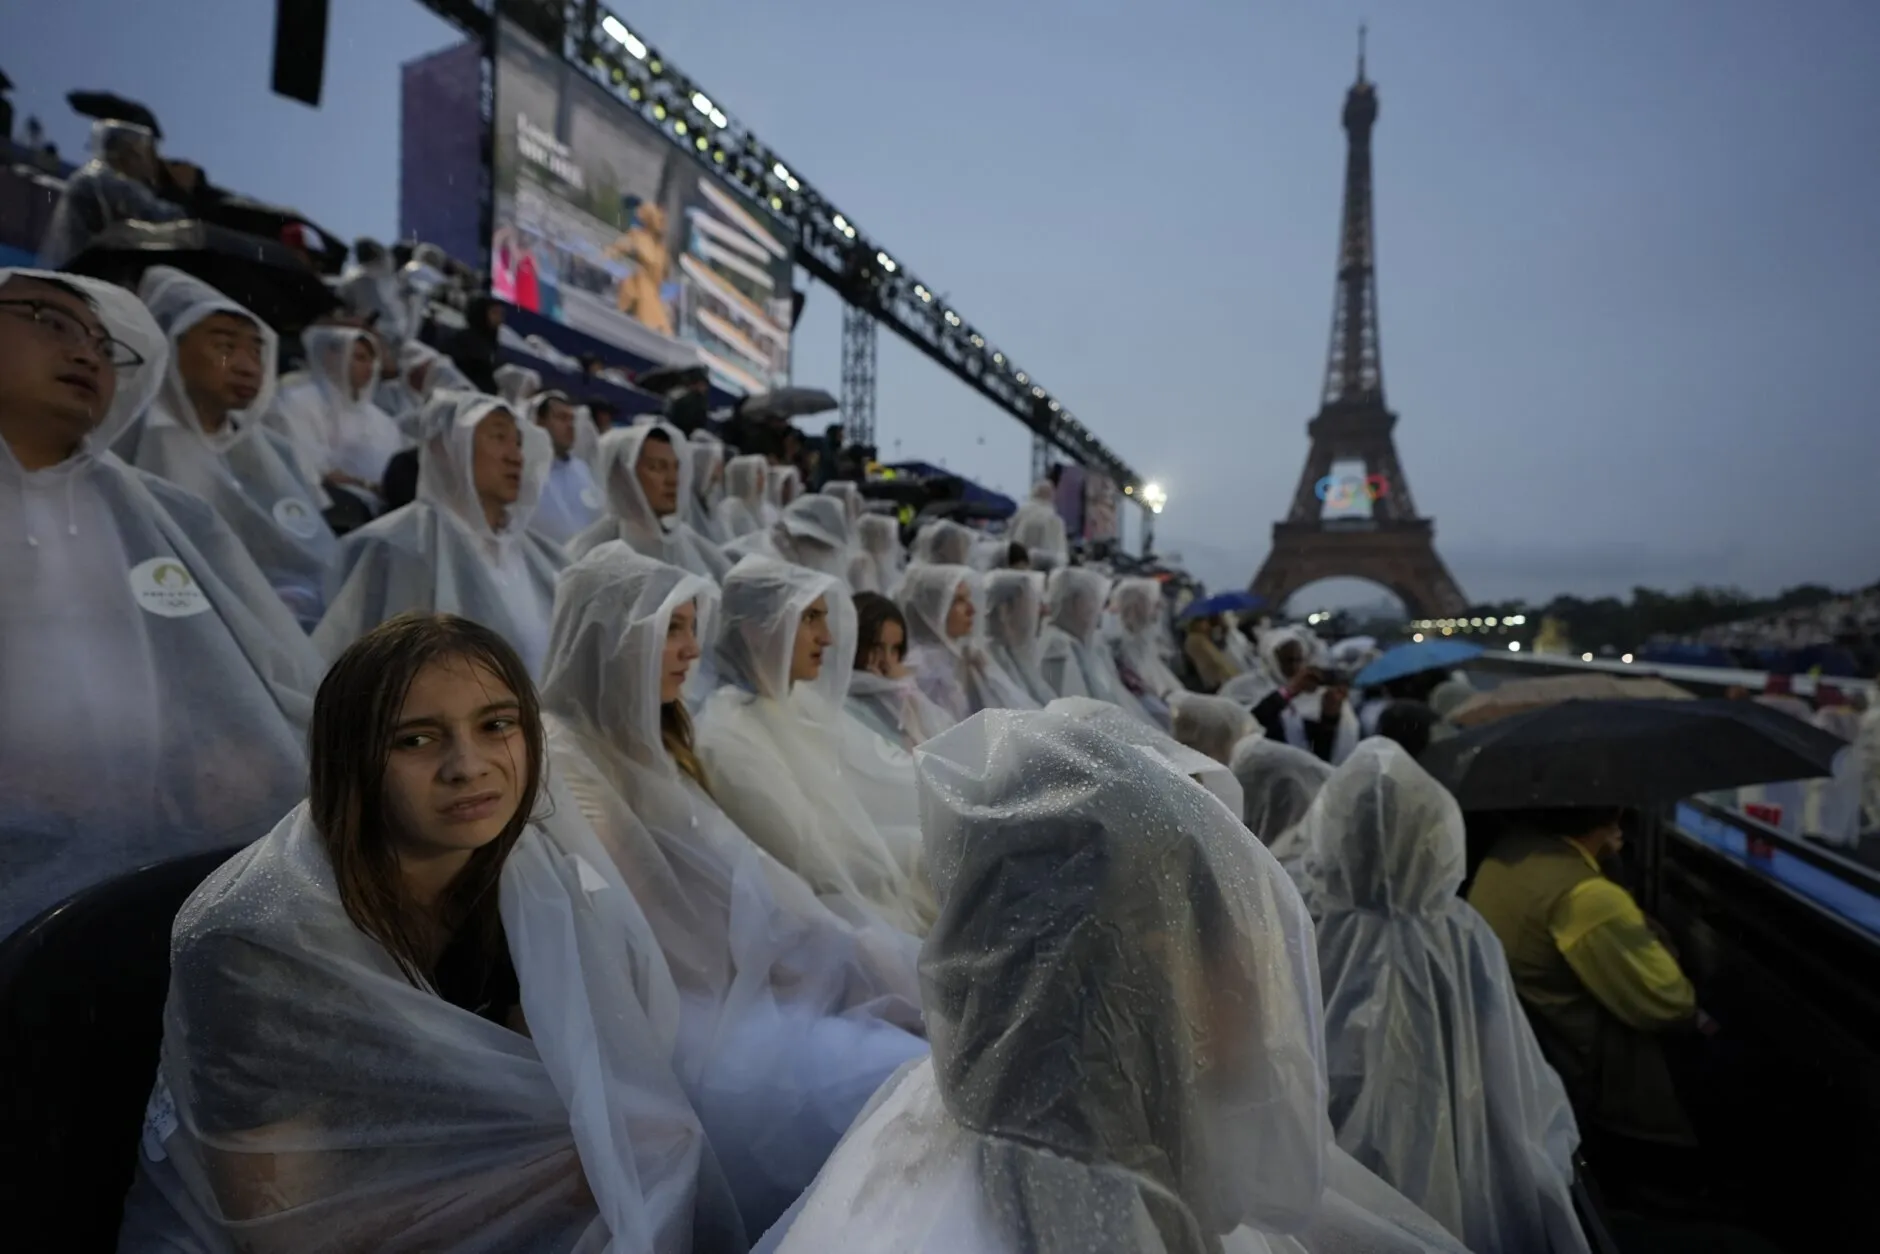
(81, 1019)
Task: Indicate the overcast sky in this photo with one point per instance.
(1628, 267)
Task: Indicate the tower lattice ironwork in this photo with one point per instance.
(859, 338)
(1379, 535)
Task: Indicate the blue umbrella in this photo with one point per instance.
(1412, 659)
(1222, 603)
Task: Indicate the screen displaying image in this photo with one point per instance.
(606, 226)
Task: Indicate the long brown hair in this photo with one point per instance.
(354, 716)
(675, 733)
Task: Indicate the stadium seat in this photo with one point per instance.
(81, 1020)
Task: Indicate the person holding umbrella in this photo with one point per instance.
(1601, 986)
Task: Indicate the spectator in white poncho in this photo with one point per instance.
(571, 501)
(645, 475)
(464, 545)
(204, 433)
(790, 1013)
(341, 438)
(1437, 1081)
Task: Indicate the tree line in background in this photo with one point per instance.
(1608, 622)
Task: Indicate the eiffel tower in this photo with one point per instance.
(1377, 534)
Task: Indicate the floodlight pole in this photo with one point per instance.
(1148, 532)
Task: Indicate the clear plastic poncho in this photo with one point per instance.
(813, 531)
(440, 554)
(312, 1097)
(782, 484)
(708, 487)
(630, 516)
(1073, 657)
(1038, 526)
(944, 542)
(516, 384)
(423, 372)
(741, 511)
(157, 691)
(1144, 620)
(850, 494)
(790, 1016)
(246, 471)
(571, 501)
(958, 672)
(1437, 1081)
(1831, 805)
(896, 709)
(97, 196)
(878, 536)
(1125, 1015)
(332, 426)
(1280, 784)
(1014, 604)
(1212, 725)
(789, 765)
(1119, 723)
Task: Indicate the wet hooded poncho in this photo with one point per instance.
(789, 765)
(1143, 619)
(516, 384)
(813, 531)
(878, 537)
(957, 672)
(1279, 783)
(1125, 1017)
(157, 691)
(440, 554)
(310, 1096)
(1115, 721)
(790, 1016)
(246, 471)
(1437, 1081)
(944, 542)
(630, 516)
(782, 484)
(1073, 657)
(1038, 526)
(422, 373)
(896, 709)
(1307, 707)
(1014, 629)
(741, 511)
(571, 501)
(333, 427)
(1213, 725)
(700, 507)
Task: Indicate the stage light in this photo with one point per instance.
(998, 359)
(1022, 378)
(1154, 497)
(702, 103)
(979, 341)
(702, 143)
(1053, 407)
(625, 38)
(1129, 489)
(679, 126)
(659, 112)
(953, 320)
(887, 262)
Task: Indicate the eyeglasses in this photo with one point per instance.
(70, 331)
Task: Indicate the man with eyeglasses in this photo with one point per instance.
(155, 686)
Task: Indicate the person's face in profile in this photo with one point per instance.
(682, 649)
(497, 459)
(658, 473)
(362, 365)
(455, 773)
(813, 638)
(557, 418)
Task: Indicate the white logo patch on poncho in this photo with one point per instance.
(163, 586)
(295, 517)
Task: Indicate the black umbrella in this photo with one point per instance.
(787, 403)
(1626, 753)
(108, 106)
(266, 276)
(663, 379)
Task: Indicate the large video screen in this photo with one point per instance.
(606, 226)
